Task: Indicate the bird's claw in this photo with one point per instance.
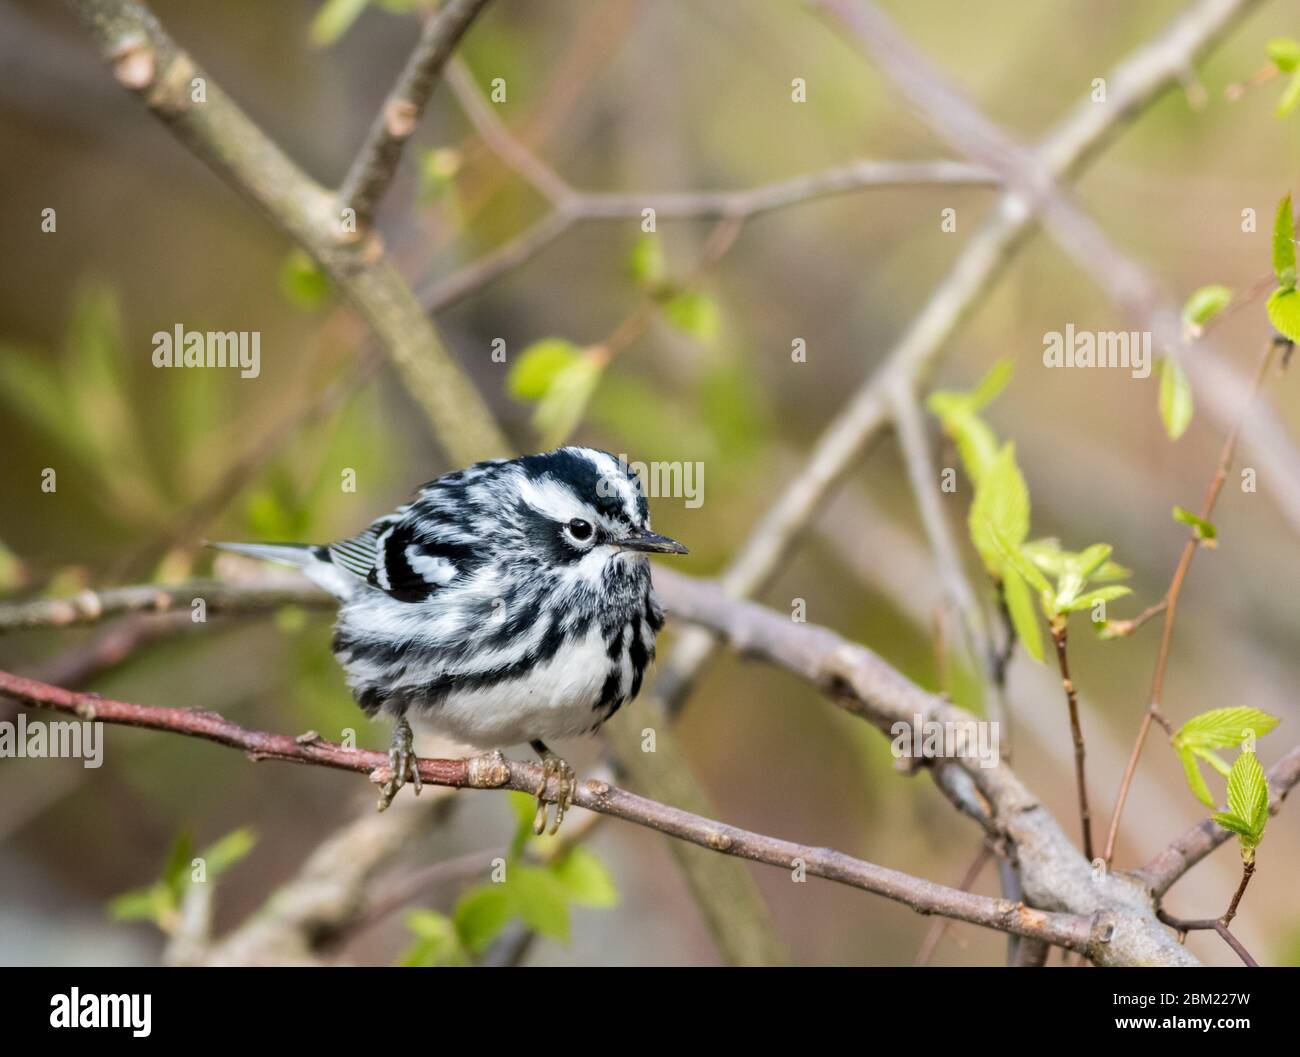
(567, 781)
(403, 764)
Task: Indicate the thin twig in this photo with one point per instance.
(495, 772)
(375, 165)
(1133, 86)
(1154, 698)
(1059, 638)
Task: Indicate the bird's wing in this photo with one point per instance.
(420, 547)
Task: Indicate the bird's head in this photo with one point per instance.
(575, 502)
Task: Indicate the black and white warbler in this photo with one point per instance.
(508, 602)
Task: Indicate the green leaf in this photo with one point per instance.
(438, 169)
(1201, 529)
(481, 914)
(1284, 313)
(1024, 618)
(693, 313)
(228, 851)
(561, 409)
(1175, 398)
(1204, 304)
(1290, 96)
(334, 18)
(645, 263)
(1223, 728)
(541, 900)
(1284, 53)
(303, 283)
(990, 387)
(958, 415)
(534, 372)
(176, 871)
(1248, 796)
(1196, 780)
(1213, 759)
(586, 880)
(1015, 558)
(1233, 824)
(436, 940)
(1002, 503)
(139, 904)
(1284, 245)
(1101, 594)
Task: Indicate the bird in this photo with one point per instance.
(507, 602)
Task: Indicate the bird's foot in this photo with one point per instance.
(567, 783)
(403, 764)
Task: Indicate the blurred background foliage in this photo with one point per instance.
(626, 95)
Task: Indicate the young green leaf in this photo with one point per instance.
(1222, 728)
(1014, 558)
(561, 409)
(1101, 594)
(334, 18)
(645, 263)
(1196, 780)
(1248, 797)
(1023, 616)
(1283, 307)
(1201, 529)
(1284, 53)
(694, 313)
(1204, 304)
(1002, 503)
(534, 372)
(1233, 824)
(229, 850)
(1176, 403)
(481, 914)
(585, 879)
(303, 284)
(1290, 96)
(541, 901)
(1213, 759)
(1284, 245)
(958, 414)
(436, 941)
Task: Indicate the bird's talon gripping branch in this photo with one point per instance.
(567, 782)
(403, 764)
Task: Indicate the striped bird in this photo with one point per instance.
(508, 602)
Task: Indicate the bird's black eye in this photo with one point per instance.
(579, 529)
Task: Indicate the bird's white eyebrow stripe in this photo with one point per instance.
(610, 469)
(550, 497)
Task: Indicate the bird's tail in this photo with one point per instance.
(312, 560)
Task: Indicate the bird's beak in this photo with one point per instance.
(651, 542)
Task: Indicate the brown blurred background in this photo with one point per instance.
(620, 96)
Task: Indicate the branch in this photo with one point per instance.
(149, 63)
(570, 206)
(1123, 279)
(376, 163)
(218, 596)
(1171, 863)
(1190, 547)
(1072, 931)
(1133, 86)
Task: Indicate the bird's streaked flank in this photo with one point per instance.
(508, 602)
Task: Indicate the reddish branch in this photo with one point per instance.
(1072, 931)
(1153, 713)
